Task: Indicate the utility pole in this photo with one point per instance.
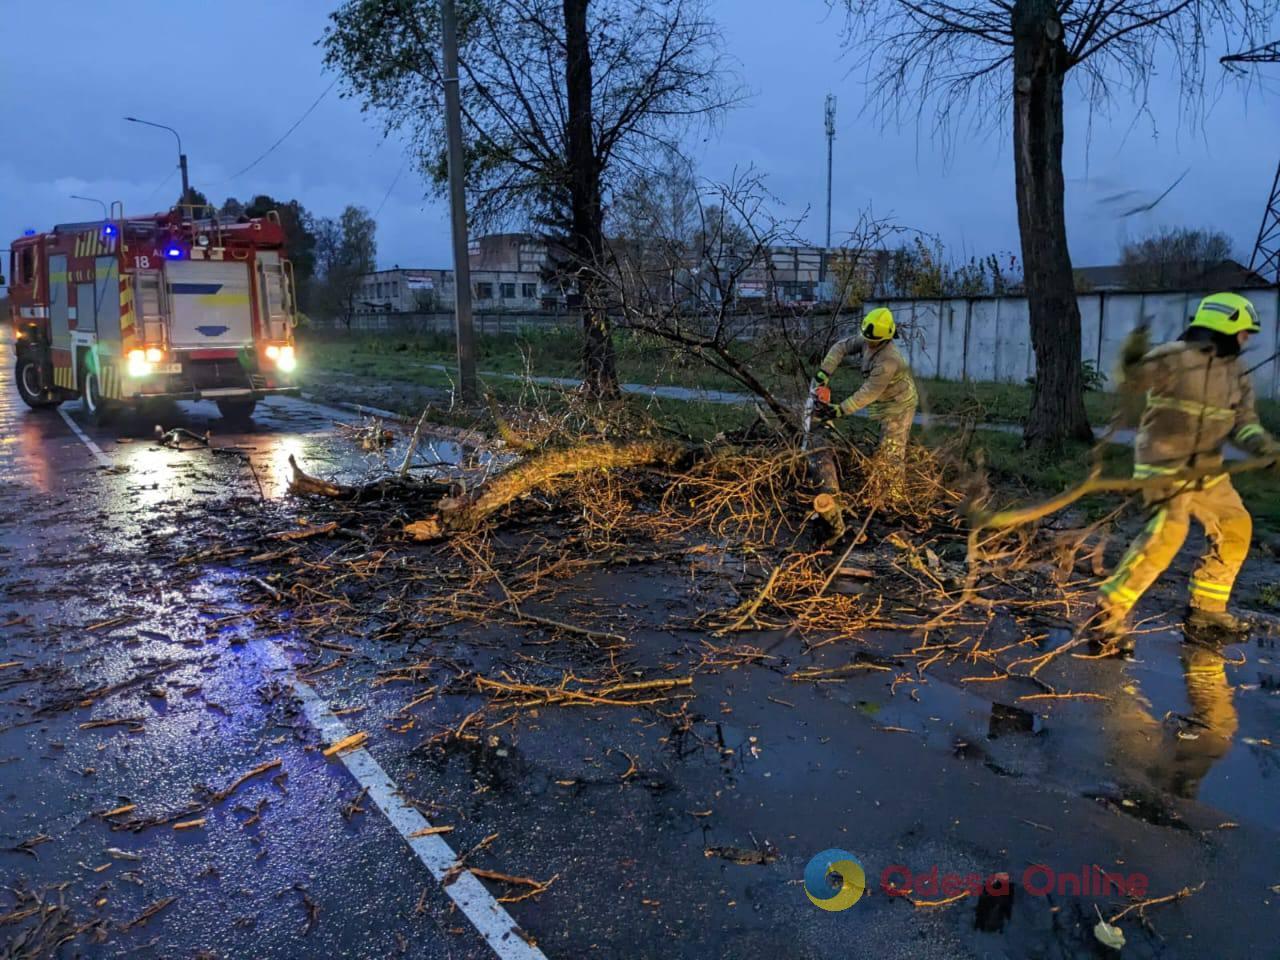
(458, 207)
(830, 116)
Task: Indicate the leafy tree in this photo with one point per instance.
(346, 249)
(562, 100)
(989, 55)
(193, 199)
(299, 232)
(1173, 258)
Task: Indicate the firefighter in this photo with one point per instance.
(888, 391)
(1198, 396)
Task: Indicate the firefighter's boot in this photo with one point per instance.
(1214, 626)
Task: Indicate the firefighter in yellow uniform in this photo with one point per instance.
(1199, 396)
(888, 391)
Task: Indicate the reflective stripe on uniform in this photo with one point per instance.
(1115, 590)
(1191, 407)
(1218, 591)
(1121, 598)
(1249, 430)
(1145, 471)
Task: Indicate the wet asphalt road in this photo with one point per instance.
(911, 775)
(82, 545)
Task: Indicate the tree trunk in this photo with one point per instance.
(1040, 64)
(586, 241)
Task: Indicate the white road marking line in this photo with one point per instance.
(490, 918)
(102, 458)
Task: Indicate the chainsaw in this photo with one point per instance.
(818, 393)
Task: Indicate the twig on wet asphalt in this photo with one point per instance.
(349, 809)
(28, 846)
(133, 723)
(352, 742)
(219, 795)
(112, 623)
(537, 886)
(939, 903)
(1142, 905)
(312, 908)
(142, 918)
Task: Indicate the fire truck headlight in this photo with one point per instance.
(273, 351)
(287, 362)
(138, 366)
(154, 354)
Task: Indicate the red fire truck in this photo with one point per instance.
(174, 306)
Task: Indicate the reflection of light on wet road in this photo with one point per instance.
(275, 479)
(153, 479)
(34, 462)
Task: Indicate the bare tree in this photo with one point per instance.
(977, 57)
(769, 350)
(1174, 258)
(562, 100)
(652, 226)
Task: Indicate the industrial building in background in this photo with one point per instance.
(517, 273)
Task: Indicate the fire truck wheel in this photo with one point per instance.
(27, 376)
(96, 406)
(237, 411)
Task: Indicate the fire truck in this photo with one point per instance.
(169, 306)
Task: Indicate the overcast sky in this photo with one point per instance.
(232, 76)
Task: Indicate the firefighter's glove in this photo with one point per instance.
(826, 413)
(1135, 346)
(821, 378)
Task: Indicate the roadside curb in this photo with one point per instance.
(356, 408)
(466, 438)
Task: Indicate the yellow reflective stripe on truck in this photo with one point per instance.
(223, 299)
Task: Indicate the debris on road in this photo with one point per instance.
(352, 742)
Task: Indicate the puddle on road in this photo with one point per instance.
(281, 428)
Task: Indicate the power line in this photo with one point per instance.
(297, 123)
(386, 195)
(159, 186)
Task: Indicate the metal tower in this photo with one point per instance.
(831, 136)
(1266, 250)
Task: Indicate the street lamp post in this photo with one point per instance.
(182, 157)
(105, 214)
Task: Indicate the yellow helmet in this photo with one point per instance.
(879, 325)
(1227, 313)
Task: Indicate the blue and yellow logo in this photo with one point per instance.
(839, 864)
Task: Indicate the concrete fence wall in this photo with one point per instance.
(989, 338)
(418, 323)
